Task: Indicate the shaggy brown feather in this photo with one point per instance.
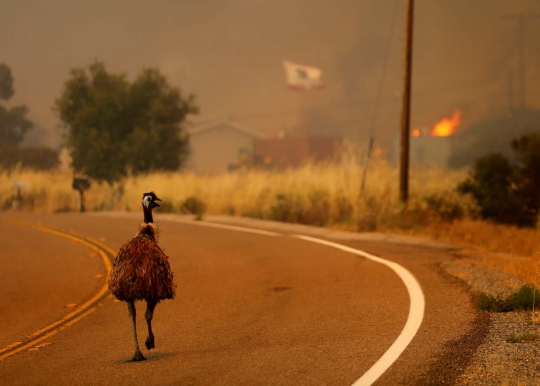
(141, 269)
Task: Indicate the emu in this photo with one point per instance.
(141, 271)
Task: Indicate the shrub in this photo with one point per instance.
(367, 223)
(523, 299)
(446, 208)
(313, 211)
(343, 209)
(193, 205)
(508, 192)
(166, 206)
(493, 304)
(7, 204)
(284, 209)
(527, 337)
(527, 175)
(318, 210)
(451, 206)
(490, 182)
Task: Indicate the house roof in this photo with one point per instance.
(219, 123)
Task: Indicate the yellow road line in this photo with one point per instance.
(71, 318)
(48, 335)
(100, 244)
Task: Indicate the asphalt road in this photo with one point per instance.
(251, 309)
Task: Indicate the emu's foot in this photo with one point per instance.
(149, 342)
(138, 357)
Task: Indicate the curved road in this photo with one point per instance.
(251, 309)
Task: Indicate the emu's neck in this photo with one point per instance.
(147, 215)
(148, 230)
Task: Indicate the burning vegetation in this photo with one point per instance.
(444, 128)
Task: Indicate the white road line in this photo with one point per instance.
(172, 218)
(221, 226)
(414, 320)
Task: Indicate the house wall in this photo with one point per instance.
(293, 152)
(212, 151)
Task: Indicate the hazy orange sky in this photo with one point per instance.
(230, 53)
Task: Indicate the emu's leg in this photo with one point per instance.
(132, 314)
(151, 305)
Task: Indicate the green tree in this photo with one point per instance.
(13, 127)
(6, 82)
(115, 126)
(13, 122)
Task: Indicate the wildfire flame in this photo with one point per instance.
(378, 151)
(446, 126)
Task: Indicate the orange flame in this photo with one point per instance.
(378, 151)
(416, 133)
(446, 126)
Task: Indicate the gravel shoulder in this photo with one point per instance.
(497, 361)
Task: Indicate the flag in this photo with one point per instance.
(301, 77)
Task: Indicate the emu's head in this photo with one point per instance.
(149, 200)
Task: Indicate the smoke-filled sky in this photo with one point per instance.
(230, 52)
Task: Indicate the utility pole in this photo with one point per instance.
(406, 108)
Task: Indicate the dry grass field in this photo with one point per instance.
(323, 194)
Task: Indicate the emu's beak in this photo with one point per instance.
(157, 199)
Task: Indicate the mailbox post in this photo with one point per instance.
(17, 200)
(80, 185)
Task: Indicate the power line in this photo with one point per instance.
(379, 94)
(521, 18)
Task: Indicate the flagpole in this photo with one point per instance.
(406, 108)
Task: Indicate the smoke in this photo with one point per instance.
(230, 53)
(39, 136)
